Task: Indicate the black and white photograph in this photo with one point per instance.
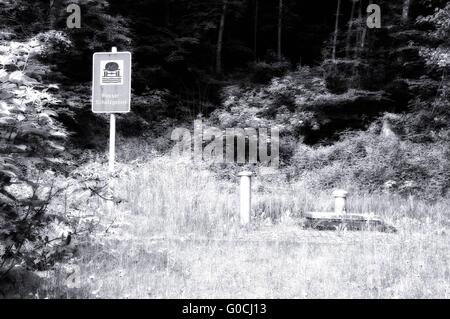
(209, 150)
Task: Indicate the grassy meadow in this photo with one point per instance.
(175, 234)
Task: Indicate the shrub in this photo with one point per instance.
(263, 72)
(31, 145)
(369, 162)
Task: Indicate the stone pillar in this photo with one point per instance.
(245, 197)
(340, 201)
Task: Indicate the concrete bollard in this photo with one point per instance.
(340, 201)
(245, 197)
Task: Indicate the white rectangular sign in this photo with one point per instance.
(111, 82)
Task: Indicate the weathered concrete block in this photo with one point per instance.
(334, 221)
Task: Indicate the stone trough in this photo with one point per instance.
(340, 219)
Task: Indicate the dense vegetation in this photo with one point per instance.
(365, 108)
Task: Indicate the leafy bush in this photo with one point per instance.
(370, 162)
(263, 72)
(31, 143)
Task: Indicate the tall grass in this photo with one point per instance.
(175, 197)
(176, 235)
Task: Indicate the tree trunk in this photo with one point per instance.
(280, 28)
(220, 38)
(349, 31)
(406, 6)
(336, 31)
(360, 41)
(55, 7)
(51, 14)
(255, 31)
(364, 32)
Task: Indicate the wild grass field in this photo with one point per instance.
(175, 233)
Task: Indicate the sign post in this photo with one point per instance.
(111, 93)
(112, 142)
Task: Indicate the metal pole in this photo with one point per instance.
(112, 134)
(112, 142)
(112, 152)
(245, 197)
